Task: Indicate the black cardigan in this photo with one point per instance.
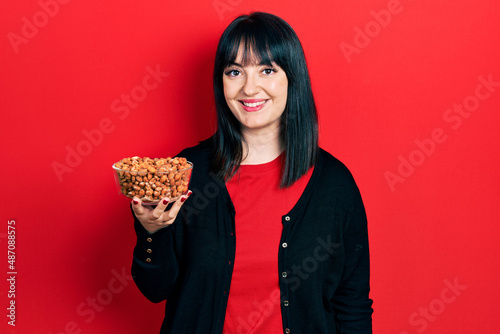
(323, 256)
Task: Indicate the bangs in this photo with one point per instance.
(256, 46)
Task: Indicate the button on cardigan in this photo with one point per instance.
(323, 261)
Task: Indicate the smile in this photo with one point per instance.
(253, 104)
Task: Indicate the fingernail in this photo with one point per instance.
(165, 201)
(189, 193)
(183, 199)
(135, 201)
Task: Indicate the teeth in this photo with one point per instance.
(253, 104)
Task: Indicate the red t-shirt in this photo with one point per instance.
(254, 297)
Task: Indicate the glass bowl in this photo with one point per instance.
(152, 180)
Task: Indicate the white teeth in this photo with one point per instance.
(252, 105)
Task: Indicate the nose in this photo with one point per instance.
(251, 86)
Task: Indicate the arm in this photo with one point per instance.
(155, 265)
(351, 302)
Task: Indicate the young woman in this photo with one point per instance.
(273, 237)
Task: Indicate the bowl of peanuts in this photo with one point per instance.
(152, 180)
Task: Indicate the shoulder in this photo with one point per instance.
(332, 168)
(198, 155)
(335, 179)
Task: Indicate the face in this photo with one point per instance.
(256, 94)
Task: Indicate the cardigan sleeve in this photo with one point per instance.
(155, 265)
(351, 302)
(157, 258)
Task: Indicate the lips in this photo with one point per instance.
(253, 105)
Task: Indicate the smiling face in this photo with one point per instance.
(256, 94)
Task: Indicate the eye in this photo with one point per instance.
(268, 71)
(232, 73)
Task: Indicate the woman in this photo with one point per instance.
(273, 238)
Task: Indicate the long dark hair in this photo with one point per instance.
(269, 39)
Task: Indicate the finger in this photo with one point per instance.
(136, 206)
(160, 208)
(174, 210)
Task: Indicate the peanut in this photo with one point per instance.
(153, 179)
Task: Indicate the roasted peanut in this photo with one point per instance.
(153, 179)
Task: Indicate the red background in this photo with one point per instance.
(380, 93)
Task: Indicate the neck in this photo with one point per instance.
(260, 148)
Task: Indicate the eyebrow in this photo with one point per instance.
(240, 65)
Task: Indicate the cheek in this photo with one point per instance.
(230, 94)
(226, 86)
(225, 89)
(280, 89)
(284, 93)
